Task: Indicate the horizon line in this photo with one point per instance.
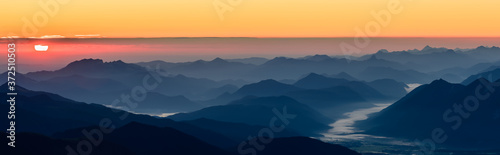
(424, 37)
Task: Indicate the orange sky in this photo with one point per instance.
(251, 18)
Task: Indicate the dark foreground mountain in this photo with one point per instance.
(47, 113)
(466, 117)
(36, 144)
(236, 131)
(298, 146)
(150, 140)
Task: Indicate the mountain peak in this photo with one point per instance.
(314, 76)
(116, 62)
(86, 61)
(5, 87)
(344, 75)
(218, 60)
(266, 88)
(427, 47)
(269, 81)
(93, 62)
(382, 51)
(318, 57)
(440, 82)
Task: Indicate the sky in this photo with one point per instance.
(248, 18)
(265, 28)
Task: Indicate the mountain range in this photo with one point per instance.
(50, 123)
(261, 110)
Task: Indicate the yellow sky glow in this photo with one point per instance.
(251, 18)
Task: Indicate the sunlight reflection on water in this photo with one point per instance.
(343, 128)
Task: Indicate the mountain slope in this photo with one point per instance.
(450, 107)
(406, 76)
(316, 81)
(236, 131)
(35, 144)
(265, 88)
(259, 111)
(47, 113)
(217, 69)
(90, 68)
(299, 146)
(146, 139)
(490, 75)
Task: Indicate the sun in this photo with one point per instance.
(41, 48)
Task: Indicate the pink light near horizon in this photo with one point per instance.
(63, 51)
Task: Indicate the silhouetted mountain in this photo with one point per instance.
(105, 91)
(336, 100)
(156, 103)
(260, 89)
(146, 140)
(82, 82)
(48, 113)
(318, 57)
(217, 69)
(28, 93)
(236, 131)
(299, 146)
(251, 60)
(173, 86)
(406, 76)
(492, 75)
(344, 75)
(315, 81)
(215, 92)
(192, 88)
(79, 87)
(328, 95)
(285, 68)
(450, 107)
(259, 111)
(21, 79)
(485, 53)
(91, 68)
(364, 90)
(332, 102)
(35, 144)
(265, 88)
(389, 87)
(434, 59)
(69, 80)
(459, 74)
